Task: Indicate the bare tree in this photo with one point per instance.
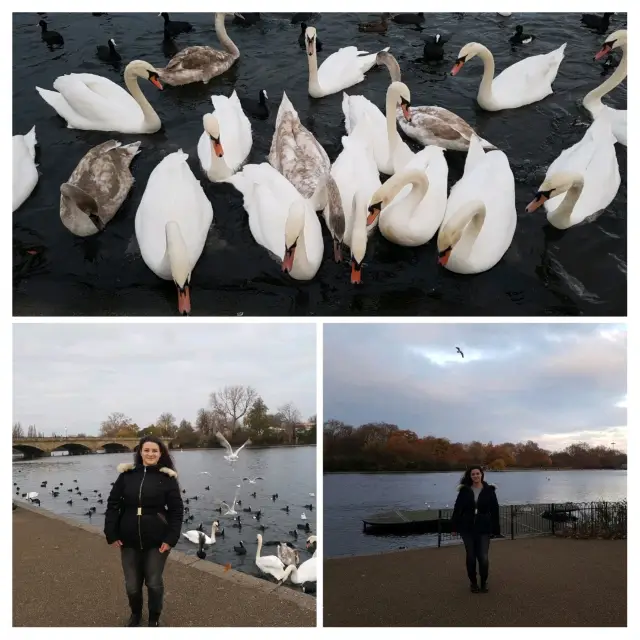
(115, 422)
(232, 403)
(167, 424)
(291, 418)
(17, 431)
(32, 432)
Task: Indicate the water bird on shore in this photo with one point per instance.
(252, 480)
(108, 52)
(52, 38)
(194, 535)
(240, 549)
(201, 542)
(433, 50)
(301, 37)
(232, 456)
(175, 27)
(519, 37)
(593, 21)
(271, 565)
(460, 351)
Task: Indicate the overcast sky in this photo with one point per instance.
(553, 383)
(75, 375)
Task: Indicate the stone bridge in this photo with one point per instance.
(38, 447)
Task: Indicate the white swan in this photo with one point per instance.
(25, 174)
(226, 142)
(172, 222)
(582, 180)
(522, 83)
(306, 572)
(280, 219)
(298, 156)
(232, 456)
(312, 542)
(340, 70)
(356, 176)
(288, 555)
(412, 203)
(391, 153)
(480, 219)
(194, 535)
(93, 103)
(269, 564)
(593, 100)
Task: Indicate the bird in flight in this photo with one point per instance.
(460, 351)
(252, 480)
(231, 455)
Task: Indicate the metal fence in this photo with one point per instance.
(570, 519)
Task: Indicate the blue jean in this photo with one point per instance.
(144, 567)
(477, 547)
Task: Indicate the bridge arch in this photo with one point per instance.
(73, 448)
(30, 451)
(116, 447)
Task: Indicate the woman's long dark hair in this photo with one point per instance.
(165, 459)
(466, 477)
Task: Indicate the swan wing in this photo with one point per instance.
(355, 108)
(270, 563)
(224, 442)
(25, 174)
(308, 571)
(195, 58)
(235, 130)
(345, 68)
(192, 536)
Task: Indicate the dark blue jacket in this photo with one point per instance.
(481, 518)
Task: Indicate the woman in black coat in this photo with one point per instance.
(143, 519)
(476, 517)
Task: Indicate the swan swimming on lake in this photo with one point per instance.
(231, 455)
(269, 564)
(195, 535)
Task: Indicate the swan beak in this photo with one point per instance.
(443, 256)
(456, 67)
(217, 147)
(356, 272)
(287, 261)
(538, 201)
(405, 111)
(156, 82)
(337, 250)
(184, 300)
(239, 15)
(374, 212)
(606, 49)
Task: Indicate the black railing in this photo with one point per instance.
(568, 519)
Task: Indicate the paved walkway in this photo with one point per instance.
(533, 582)
(65, 575)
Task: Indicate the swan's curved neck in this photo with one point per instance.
(484, 92)
(390, 112)
(225, 40)
(565, 209)
(419, 187)
(176, 256)
(467, 221)
(594, 97)
(259, 549)
(151, 119)
(314, 86)
(213, 532)
(218, 164)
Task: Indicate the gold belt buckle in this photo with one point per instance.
(139, 511)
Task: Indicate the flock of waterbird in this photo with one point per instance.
(285, 565)
(474, 222)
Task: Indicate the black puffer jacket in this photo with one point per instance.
(144, 508)
(486, 519)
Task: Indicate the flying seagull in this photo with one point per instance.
(231, 455)
(460, 351)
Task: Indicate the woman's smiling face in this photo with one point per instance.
(150, 453)
(476, 476)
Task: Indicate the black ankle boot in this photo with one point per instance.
(154, 619)
(484, 588)
(134, 620)
(474, 587)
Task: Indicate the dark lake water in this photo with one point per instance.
(289, 472)
(348, 497)
(545, 272)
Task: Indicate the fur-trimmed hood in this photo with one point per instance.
(129, 466)
(486, 484)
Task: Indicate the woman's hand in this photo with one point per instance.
(117, 543)
(164, 547)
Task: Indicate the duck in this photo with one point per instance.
(302, 41)
(52, 38)
(298, 156)
(288, 554)
(97, 187)
(280, 219)
(527, 81)
(411, 204)
(175, 27)
(340, 70)
(375, 27)
(201, 63)
(356, 179)
(409, 18)
(519, 37)
(582, 181)
(24, 173)
(390, 152)
(480, 218)
(240, 549)
(93, 103)
(593, 21)
(433, 50)
(306, 572)
(108, 52)
(226, 142)
(271, 565)
(257, 108)
(195, 535)
(592, 102)
(172, 223)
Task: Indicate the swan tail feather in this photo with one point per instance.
(475, 154)
(346, 110)
(31, 141)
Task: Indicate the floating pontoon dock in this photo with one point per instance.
(424, 520)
